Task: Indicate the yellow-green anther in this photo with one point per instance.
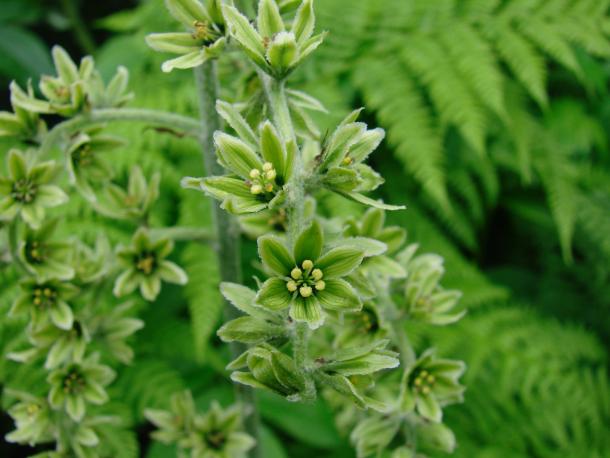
(307, 264)
(254, 173)
(418, 381)
(256, 189)
(291, 286)
(296, 273)
(269, 187)
(347, 160)
(267, 166)
(425, 389)
(305, 291)
(431, 379)
(317, 274)
(320, 285)
(271, 174)
(423, 373)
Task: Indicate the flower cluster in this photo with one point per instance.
(217, 433)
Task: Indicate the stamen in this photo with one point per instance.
(296, 273)
(307, 264)
(320, 285)
(317, 274)
(267, 166)
(305, 291)
(256, 189)
(255, 173)
(291, 286)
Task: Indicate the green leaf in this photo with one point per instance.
(304, 22)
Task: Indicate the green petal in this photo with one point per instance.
(21, 305)
(172, 273)
(274, 295)
(95, 393)
(62, 316)
(223, 187)
(393, 237)
(307, 310)
(43, 172)
(56, 396)
(87, 437)
(357, 197)
(340, 261)
(174, 42)
(309, 244)
(59, 353)
(236, 154)
(242, 205)
(269, 21)
(275, 255)
(272, 148)
(17, 166)
(428, 407)
(150, 287)
(372, 222)
(33, 215)
(126, 283)
(8, 208)
(339, 295)
(190, 60)
(368, 143)
(50, 196)
(75, 407)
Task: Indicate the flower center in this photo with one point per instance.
(423, 382)
(306, 280)
(24, 191)
(83, 156)
(44, 296)
(347, 160)
(215, 439)
(369, 320)
(263, 181)
(146, 262)
(35, 252)
(73, 382)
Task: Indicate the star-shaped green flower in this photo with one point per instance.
(27, 192)
(260, 166)
(305, 280)
(45, 301)
(205, 37)
(44, 257)
(33, 421)
(431, 383)
(76, 384)
(146, 267)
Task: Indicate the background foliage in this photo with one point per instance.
(497, 115)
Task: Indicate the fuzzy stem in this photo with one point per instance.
(295, 202)
(162, 119)
(227, 231)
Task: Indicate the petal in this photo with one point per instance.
(339, 295)
(190, 60)
(86, 436)
(236, 154)
(33, 215)
(309, 244)
(126, 283)
(272, 148)
(223, 187)
(428, 407)
(95, 393)
(75, 406)
(275, 255)
(340, 261)
(50, 196)
(62, 316)
(43, 172)
(17, 166)
(307, 310)
(172, 273)
(274, 295)
(150, 287)
(56, 396)
(8, 208)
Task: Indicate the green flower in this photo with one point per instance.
(425, 299)
(27, 192)
(305, 280)
(46, 300)
(92, 264)
(21, 123)
(273, 47)
(340, 161)
(205, 37)
(85, 162)
(62, 345)
(44, 257)
(146, 267)
(269, 369)
(175, 425)
(362, 327)
(135, 202)
(33, 421)
(215, 434)
(431, 383)
(76, 384)
(114, 327)
(260, 167)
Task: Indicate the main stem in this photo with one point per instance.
(227, 231)
(295, 199)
